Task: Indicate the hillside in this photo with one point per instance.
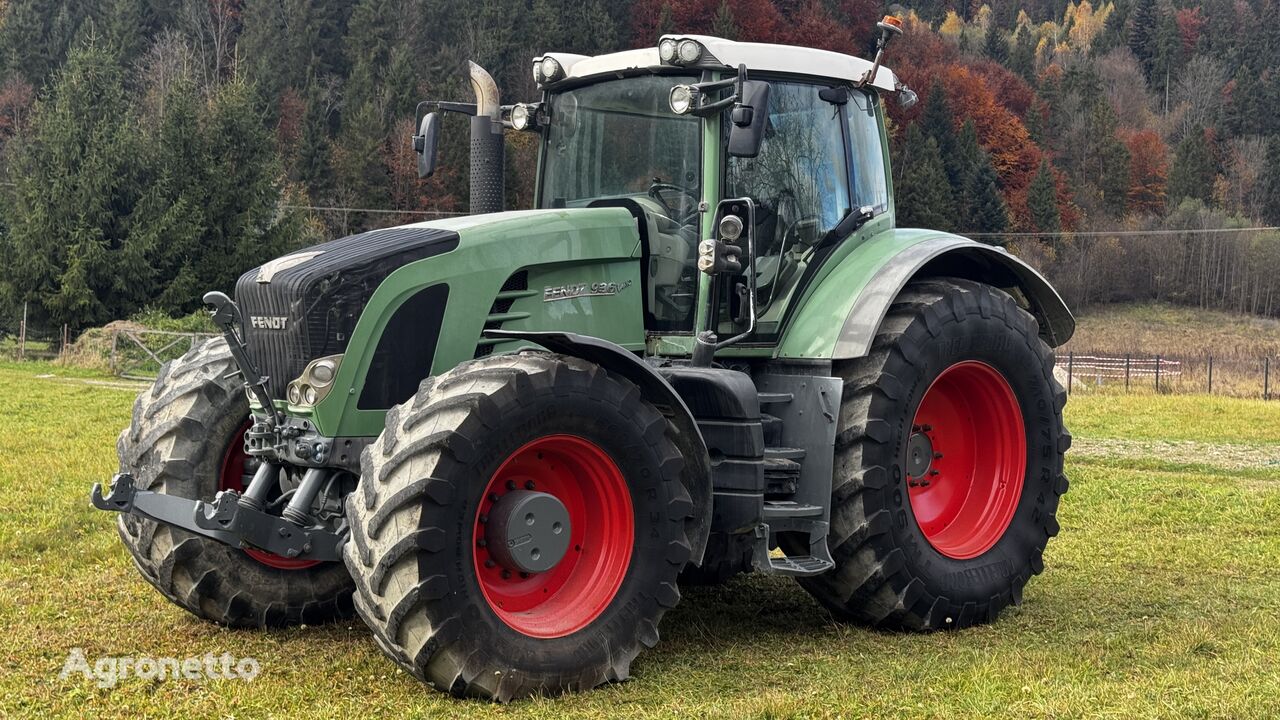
(1148, 329)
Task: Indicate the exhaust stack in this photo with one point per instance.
(487, 186)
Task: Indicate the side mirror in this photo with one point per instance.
(425, 144)
(748, 119)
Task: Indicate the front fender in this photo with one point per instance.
(657, 391)
(839, 320)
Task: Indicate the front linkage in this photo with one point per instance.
(236, 519)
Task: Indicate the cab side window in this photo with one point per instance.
(799, 181)
(869, 188)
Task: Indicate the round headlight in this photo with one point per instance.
(538, 77)
(731, 227)
(520, 116)
(681, 99)
(690, 51)
(309, 394)
(295, 394)
(550, 69)
(322, 372)
(667, 50)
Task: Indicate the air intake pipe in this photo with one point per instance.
(487, 186)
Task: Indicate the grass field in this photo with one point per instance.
(1160, 598)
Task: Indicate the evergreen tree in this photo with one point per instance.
(723, 25)
(986, 209)
(1271, 182)
(1022, 59)
(1107, 158)
(922, 192)
(312, 167)
(360, 174)
(1144, 23)
(77, 179)
(938, 123)
(1193, 170)
(995, 45)
(1042, 201)
(1246, 113)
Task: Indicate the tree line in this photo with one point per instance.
(154, 149)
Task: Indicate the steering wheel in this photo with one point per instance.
(657, 188)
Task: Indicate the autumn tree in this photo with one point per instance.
(1148, 172)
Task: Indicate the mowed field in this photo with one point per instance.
(1160, 598)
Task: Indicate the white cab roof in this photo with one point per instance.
(762, 57)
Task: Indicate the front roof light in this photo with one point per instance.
(667, 50)
(689, 51)
(551, 69)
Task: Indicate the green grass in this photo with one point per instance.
(1159, 599)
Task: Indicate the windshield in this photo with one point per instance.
(619, 138)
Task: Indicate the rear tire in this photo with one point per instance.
(180, 436)
(921, 556)
(430, 485)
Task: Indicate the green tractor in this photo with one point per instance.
(506, 440)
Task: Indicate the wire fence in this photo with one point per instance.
(1171, 373)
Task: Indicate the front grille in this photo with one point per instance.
(321, 298)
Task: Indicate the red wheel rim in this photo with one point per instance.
(574, 592)
(966, 493)
(231, 477)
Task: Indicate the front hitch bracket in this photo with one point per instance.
(226, 315)
(224, 519)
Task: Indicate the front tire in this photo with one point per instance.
(609, 519)
(949, 462)
(186, 431)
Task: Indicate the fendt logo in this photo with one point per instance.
(268, 322)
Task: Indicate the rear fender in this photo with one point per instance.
(839, 320)
(657, 391)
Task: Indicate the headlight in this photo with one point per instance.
(538, 77)
(551, 70)
(667, 50)
(323, 371)
(295, 394)
(520, 116)
(690, 51)
(309, 394)
(681, 99)
(730, 227)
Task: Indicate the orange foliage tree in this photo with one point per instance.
(1148, 172)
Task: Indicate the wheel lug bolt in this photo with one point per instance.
(493, 497)
(524, 574)
(511, 484)
(484, 519)
(482, 542)
(926, 428)
(489, 563)
(528, 485)
(934, 472)
(506, 574)
(937, 456)
(915, 428)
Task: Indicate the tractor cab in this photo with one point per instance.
(698, 128)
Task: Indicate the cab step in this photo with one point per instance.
(799, 566)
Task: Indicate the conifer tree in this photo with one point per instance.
(1042, 201)
(922, 191)
(1193, 170)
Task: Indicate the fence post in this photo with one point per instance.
(1157, 374)
(1266, 378)
(1210, 374)
(1126, 372)
(115, 335)
(1071, 367)
(22, 334)
(66, 340)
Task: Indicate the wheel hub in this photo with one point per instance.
(919, 456)
(528, 531)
